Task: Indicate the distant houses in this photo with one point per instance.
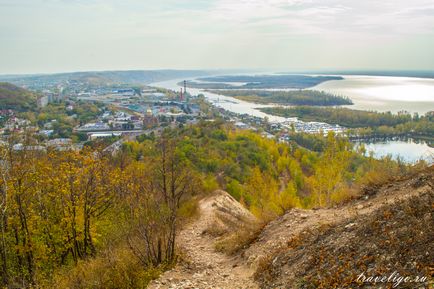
(48, 97)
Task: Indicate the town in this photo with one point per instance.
(111, 114)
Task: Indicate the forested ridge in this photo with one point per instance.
(270, 81)
(80, 219)
(292, 97)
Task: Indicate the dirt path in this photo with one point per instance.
(206, 268)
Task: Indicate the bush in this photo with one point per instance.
(188, 210)
(239, 240)
(115, 269)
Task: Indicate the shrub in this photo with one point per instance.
(115, 269)
(239, 240)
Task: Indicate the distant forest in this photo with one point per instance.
(294, 97)
(260, 81)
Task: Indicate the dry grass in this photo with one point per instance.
(239, 239)
(189, 210)
(216, 229)
(115, 269)
(233, 232)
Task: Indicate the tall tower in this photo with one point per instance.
(185, 90)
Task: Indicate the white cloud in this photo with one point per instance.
(298, 17)
(92, 34)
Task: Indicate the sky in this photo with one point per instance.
(45, 36)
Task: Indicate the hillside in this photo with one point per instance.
(14, 97)
(387, 229)
(111, 77)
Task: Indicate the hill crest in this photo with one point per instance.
(17, 98)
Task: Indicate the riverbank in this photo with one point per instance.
(238, 107)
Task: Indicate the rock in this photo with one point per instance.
(274, 261)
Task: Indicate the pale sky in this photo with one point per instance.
(78, 35)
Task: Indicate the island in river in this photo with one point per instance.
(270, 81)
(287, 97)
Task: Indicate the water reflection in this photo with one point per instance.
(384, 93)
(407, 149)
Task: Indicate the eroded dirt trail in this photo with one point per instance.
(205, 268)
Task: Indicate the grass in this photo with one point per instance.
(239, 239)
(115, 269)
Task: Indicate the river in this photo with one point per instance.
(226, 102)
(408, 150)
(384, 93)
(368, 93)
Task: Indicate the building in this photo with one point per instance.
(241, 125)
(149, 120)
(98, 135)
(94, 126)
(42, 101)
(126, 92)
(59, 142)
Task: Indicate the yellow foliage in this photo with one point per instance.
(288, 199)
(341, 195)
(210, 184)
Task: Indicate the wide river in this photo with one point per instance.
(225, 102)
(384, 93)
(379, 93)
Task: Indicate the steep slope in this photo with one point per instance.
(389, 230)
(14, 97)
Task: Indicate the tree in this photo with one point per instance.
(330, 169)
(159, 194)
(262, 189)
